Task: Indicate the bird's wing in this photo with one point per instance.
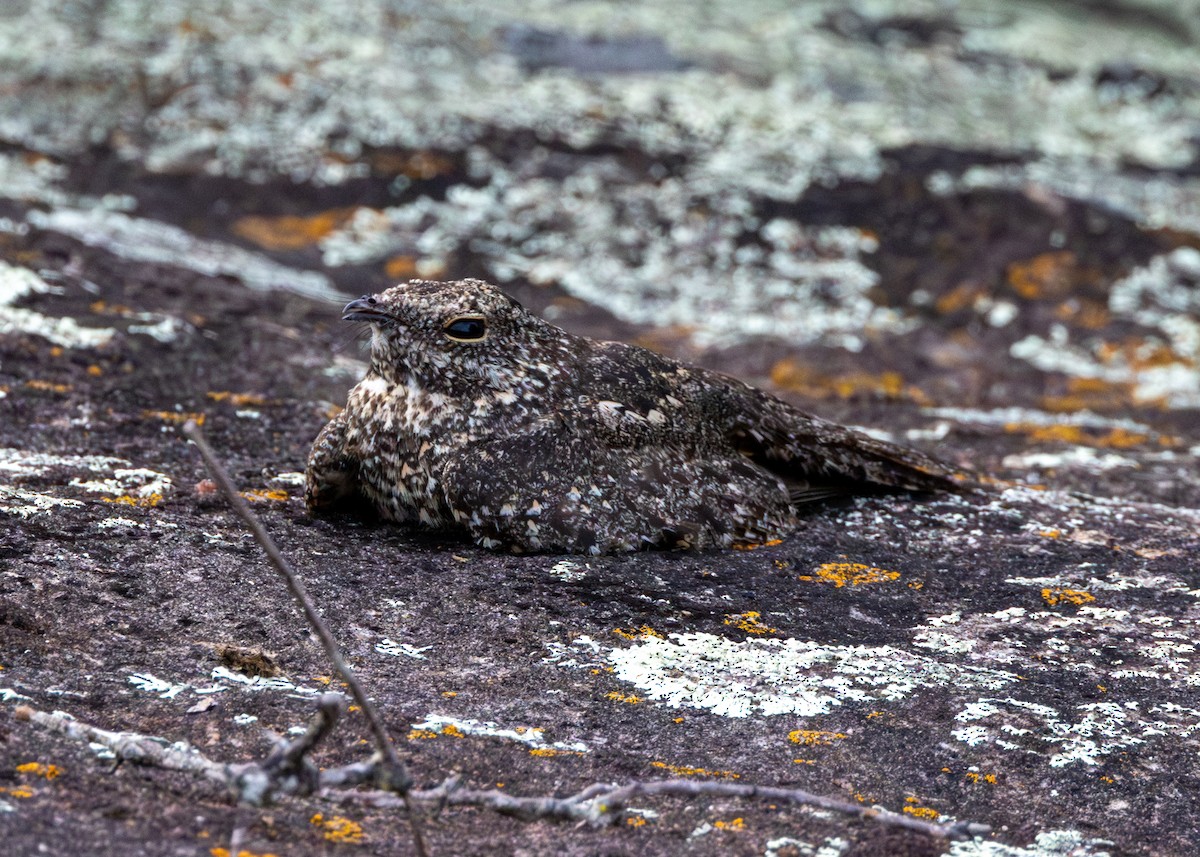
(638, 398)
(644, 398)
(552, 487)
(817, 457)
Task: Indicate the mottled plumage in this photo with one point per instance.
(479, 416)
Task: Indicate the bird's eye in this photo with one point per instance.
(465, 328)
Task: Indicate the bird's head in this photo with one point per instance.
(455, 336)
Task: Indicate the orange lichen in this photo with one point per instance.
(19, 792)
(1115, 438)
(174, 417)
(1091, 394)
(400, 267)
(105, 308)
(789, 374)
(47, 386)
(960, 297)
(1088, 314)
(925, 812)
(38, 769)
(290, 232)
(688, 771)
(814, 737)
(850, 574)
(453, 731)
(639, 633)
(1048, 276)
(1055, 596)
(421, 734)
(750, 623)
(275, 495)
(636, 821)
(753, 546)
(616, 696)
(736, 824)
(241, 400)
(421, 165)
(95, 371)
(338, 828)
(1050, 534)
(147, 502)
(224, 852)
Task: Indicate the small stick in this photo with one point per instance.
(597, 805)
(394, 774)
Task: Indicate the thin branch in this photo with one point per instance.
(598, 804)
(604, 803)
(392, 774)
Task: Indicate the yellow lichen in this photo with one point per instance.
(19, 792)
(550, 752)
(1047, 276)
(750, 623)
(338, 828)
(851, 574)
(735, 824)
(421, 734)
(636, 821)
(639, 633)
(38, 769)
(688, 771)
(174, 417)
(925, 812)
(616, 696)
(1055, 596)
(275, 495)
(224, 852)
(48, 386)
(976, 778)
(400, 267)
(290, 232)
(791, 375)
(147, 502)
(1117, 438)
(753, 546)
(241, 400)
(814, 737)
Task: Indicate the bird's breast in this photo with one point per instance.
(404, 435)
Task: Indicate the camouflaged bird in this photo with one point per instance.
(477, 415)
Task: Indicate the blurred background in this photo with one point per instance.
(932, 217)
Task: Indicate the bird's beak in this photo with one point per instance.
(363, 309)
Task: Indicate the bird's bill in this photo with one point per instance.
(363, 309)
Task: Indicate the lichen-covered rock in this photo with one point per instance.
(975, 234)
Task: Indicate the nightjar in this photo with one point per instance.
(478, 416)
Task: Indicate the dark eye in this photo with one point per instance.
(466, 328)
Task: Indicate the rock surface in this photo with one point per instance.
(975, 233)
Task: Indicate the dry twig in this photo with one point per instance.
(599, 804)
(392, 774)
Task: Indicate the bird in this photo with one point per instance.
(480, 417)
